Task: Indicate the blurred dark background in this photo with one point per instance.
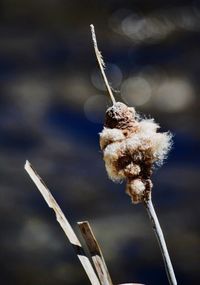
(52, 104)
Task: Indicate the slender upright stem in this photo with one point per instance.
(101, 63)
(161, 240)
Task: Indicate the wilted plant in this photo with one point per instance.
(131, 147)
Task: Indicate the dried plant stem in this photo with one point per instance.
(101, 63)
(161, 240)
(63, 223)
(95, 252)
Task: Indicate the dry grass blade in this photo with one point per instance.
(63, 223)
(96, 253)
(101, 63)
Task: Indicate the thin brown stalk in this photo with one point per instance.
(69, 232)
(96, 253)
(101, 63)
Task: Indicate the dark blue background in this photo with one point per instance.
(46, 62)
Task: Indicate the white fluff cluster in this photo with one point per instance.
(146, 139)
(128, 153)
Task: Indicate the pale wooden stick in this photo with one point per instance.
(63, 223)
(161, 240)
(101, 63)
(96, 253)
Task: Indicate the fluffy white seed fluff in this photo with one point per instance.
(110, 135)
(114, 144)
(137, 186)
(131, 144)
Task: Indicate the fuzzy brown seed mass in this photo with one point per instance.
(131, 148)
(119, 116)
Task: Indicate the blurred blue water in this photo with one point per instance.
(44, 58)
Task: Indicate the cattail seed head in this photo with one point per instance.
(130, 149)
(120, 116)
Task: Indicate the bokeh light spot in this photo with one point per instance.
(174, 95)
(136, 91)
